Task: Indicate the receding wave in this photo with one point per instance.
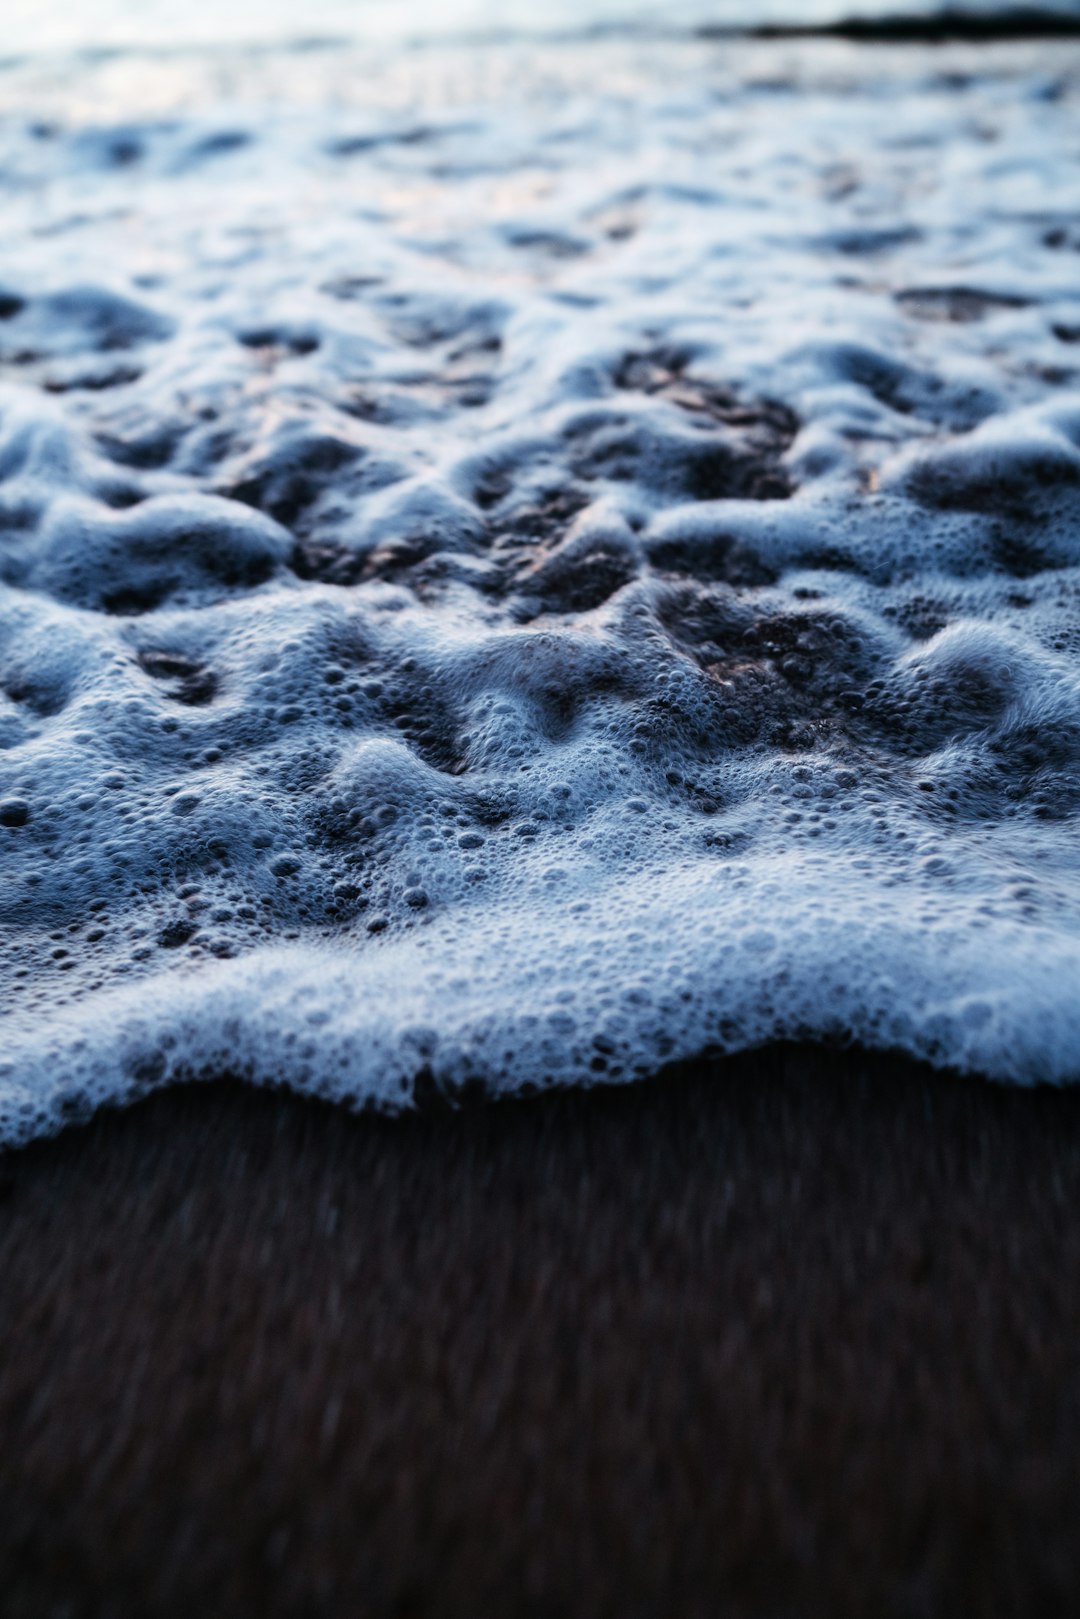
(511, 574)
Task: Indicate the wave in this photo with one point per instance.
(513, 575)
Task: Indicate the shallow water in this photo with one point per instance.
(523, 562)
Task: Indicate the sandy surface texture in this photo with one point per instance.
(793, 1336)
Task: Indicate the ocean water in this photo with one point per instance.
(528, 559)
(30, 26)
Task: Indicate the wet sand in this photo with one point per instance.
(794, 1335)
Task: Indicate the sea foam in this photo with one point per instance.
(519, 565)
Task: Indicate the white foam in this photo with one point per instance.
(510, 572)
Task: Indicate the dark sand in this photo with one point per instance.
(800, 1335)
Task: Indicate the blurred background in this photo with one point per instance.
(80, 24)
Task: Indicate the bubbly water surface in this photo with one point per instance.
(523, 563)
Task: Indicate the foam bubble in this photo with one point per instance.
(478, 602)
